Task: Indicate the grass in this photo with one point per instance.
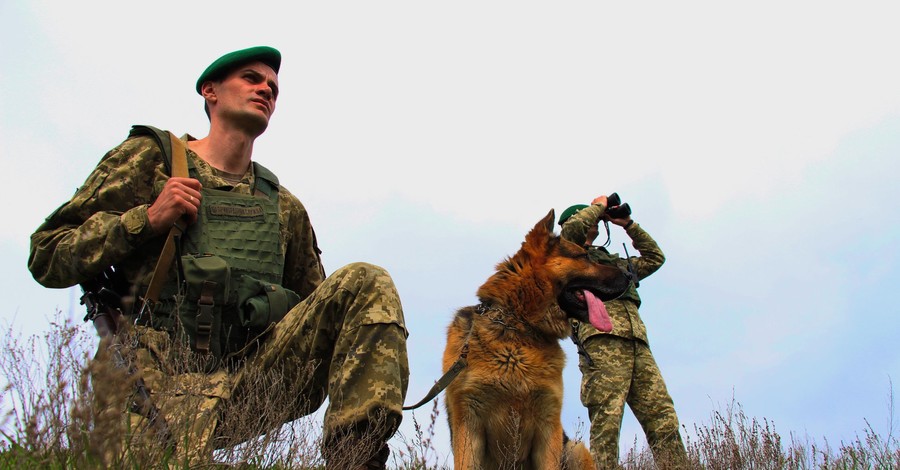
(49, 421)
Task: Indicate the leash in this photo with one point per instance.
(460, 363)
(445, 380)
(453, 371)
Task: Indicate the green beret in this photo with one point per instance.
(228, 62)
(570, 212)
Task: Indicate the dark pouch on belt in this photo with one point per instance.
(207, 279)
(263, 303)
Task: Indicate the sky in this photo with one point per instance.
(757, 142)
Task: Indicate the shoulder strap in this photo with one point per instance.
(175, 155)
(266, 181)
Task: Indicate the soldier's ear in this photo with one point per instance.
(208, 91)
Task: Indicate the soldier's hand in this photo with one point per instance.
(179, 199)
(620, 222)
(600, 200)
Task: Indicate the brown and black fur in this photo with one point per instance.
(504, 407)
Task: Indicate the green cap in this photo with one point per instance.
(570, 212)
(228, 62)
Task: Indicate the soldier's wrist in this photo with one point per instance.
(137, 225)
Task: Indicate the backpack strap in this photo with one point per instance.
(175, 156)
(170, 145)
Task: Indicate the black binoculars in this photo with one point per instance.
(615, 208)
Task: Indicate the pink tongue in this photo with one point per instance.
(597, 312)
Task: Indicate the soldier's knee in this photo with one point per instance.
(366, 275)
(363, 267)
(374, 290)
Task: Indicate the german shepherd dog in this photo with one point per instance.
(504, 406)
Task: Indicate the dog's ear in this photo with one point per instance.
(548, 220)
(542, 231)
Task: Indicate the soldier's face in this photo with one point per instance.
(247, 95)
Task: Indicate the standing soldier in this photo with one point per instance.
(246, 290)
(618, 367)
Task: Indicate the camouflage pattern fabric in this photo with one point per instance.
(352, 328)
(105, 223)
(347, 332)
(624, 370)
(627, 322)
(346, 342)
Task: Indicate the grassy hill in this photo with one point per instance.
(50, 420)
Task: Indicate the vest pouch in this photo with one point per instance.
(263, 303)
(207, 278)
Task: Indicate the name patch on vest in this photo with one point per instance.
(223, 211)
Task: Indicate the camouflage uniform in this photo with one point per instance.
(350, 326)
(623, 369)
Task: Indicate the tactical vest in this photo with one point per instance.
(601, 256)
(227, 290)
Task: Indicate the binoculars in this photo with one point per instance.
(615, 208)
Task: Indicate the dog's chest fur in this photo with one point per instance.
(503, 361)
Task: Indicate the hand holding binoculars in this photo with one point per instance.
(615, 208)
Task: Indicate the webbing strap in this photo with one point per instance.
(445, 379)
(441, 384)
(180, 169)
(205, 315)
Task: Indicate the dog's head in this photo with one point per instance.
(559, 271)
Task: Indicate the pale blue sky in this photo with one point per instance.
(757, 143)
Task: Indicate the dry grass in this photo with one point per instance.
(735, 441)
(49, 421)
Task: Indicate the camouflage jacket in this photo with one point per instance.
(623, 311)
(106, 224)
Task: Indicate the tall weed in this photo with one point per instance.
(52, 418)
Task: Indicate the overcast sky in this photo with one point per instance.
(758, 143)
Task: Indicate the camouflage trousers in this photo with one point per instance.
(345, 342)
(624, 371)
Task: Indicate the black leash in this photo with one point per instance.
(451, 373)
(445, 380)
